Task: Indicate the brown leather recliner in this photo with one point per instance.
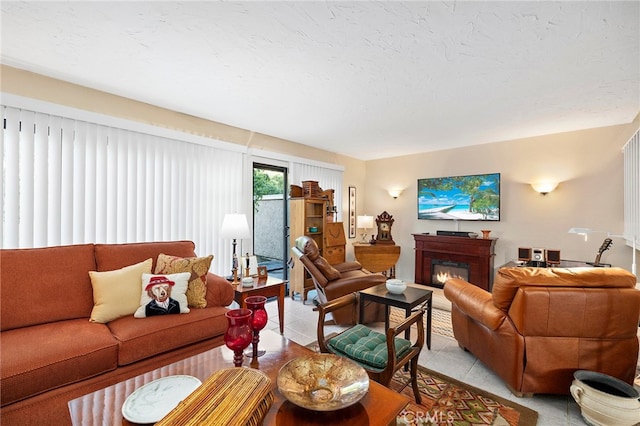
(541, 325)
(333, 281)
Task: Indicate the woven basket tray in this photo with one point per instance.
(233, 396)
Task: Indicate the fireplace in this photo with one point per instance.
(474, 255)
(442, 270)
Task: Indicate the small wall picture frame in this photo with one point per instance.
(262, 273)
(352, 212)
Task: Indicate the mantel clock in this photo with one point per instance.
(384, 221)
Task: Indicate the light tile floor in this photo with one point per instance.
(445, 357)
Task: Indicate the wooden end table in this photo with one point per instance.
(271, 287)
(379, 407)
(378, 257)
(413, 296)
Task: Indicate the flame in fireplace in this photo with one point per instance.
(442, 277)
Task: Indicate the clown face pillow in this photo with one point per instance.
(163, 295)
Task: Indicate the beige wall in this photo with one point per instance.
(24, 83)
(587, 163)
(31, 85)
(354, 175)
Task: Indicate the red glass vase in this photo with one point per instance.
(239, 333)
(258, 320)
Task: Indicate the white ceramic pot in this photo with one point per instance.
(605, 400)
(396, 286)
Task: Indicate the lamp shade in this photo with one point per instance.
(234, 225)
(580, 231)
(365, 222)
(394, 193)
(544, 187)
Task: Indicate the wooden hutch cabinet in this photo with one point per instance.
(308, 216)
(334, 242)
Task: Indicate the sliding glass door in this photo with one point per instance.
(270, 225)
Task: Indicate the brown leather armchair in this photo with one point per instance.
(333, 281)
(539, 325)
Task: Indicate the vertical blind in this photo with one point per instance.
(632, 189)
(66, 181)
(327, 178)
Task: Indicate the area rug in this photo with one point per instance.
(440, 320)
(446, 401)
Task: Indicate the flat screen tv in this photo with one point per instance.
(472, 197)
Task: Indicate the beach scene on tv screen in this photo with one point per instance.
(474, 197)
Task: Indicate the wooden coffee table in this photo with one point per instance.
(379, 407)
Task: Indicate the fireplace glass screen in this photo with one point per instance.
(442, 270)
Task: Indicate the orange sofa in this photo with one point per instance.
(50, 348)
(540, 325)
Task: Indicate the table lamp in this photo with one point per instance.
(364, 222)
(234, 225)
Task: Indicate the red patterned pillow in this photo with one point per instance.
(196, 266)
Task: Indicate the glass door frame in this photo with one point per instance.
(262, 165)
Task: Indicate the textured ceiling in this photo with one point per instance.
(364, 79)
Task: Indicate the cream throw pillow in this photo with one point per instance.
(175, 284)
(117, 293)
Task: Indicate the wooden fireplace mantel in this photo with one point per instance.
(478, 253)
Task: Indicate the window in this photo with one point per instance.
(67, 181)
(632, 190)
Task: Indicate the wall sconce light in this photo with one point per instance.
(544, 187)
(394, 193)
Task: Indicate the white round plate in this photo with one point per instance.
(151, 402)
